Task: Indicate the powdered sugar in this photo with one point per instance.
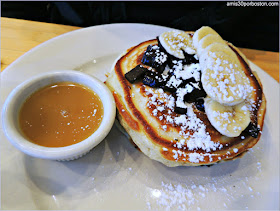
(202, 193)
(187, 71)
(217, 187)
(160, 57)
(173, 82)
(223, 81)
(197, 139)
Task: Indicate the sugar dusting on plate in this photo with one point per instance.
(195, 196)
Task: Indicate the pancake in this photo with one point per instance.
(148, 116)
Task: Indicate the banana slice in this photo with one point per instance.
(202, 32)
(223, 50)
(208, 40)
(175, 42)
(228, 120)
(224, 81)
(218, 47)
(212, 53)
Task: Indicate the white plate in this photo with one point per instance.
(115, 175)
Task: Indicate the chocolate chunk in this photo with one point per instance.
(189, 58)
(169, 88)
(180, 107)
(195, 94)
(176, 64)
(155, 58)
(148, 57)
(180, 110)
(199, 104)
(188, 81)
(153, 79)
(252, 130)
(136, 73)
(171, 84)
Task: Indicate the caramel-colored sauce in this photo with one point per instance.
(60, 115)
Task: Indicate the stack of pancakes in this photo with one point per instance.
(147, 113)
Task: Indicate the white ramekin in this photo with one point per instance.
(21, 92)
